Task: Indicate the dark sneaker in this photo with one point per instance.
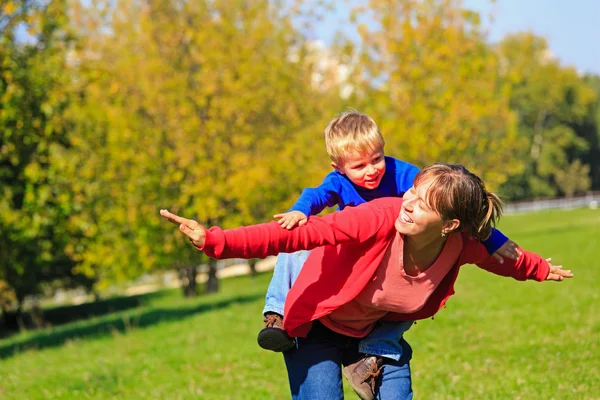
(363, 375)
(273, 336)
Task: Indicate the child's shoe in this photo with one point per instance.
(363, 375)
(273, 336)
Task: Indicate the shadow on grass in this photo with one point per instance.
(120, 323)
(66, 314)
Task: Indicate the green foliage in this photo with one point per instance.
(550, 101)
(33, 98)
(588, 130)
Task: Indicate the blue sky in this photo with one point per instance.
(572, 27)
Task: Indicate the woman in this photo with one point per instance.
(394, 259)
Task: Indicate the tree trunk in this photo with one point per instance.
(37, 316)
(3, 314)
(538, 137)
(252, 264)
(212, 284)
(19, 312)
(189, 277)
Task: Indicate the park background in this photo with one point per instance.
(111, 110)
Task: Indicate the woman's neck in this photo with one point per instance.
(424, 242)
(420, 252)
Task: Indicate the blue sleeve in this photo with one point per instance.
(314, 200)
(405, 176)
(495, 241)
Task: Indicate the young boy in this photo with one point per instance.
(362, 173)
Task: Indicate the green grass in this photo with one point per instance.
(497, 339)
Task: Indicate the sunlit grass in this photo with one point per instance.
(498, 338)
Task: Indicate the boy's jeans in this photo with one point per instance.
(315, 367)
(383, 341)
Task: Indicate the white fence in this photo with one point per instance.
(591, 200)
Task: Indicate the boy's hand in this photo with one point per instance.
(557, 273)
(509, 250)
(192, 229)
(289, 219)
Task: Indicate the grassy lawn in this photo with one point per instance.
(497, 339)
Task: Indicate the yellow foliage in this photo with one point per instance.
(216, 123)
(433, 85)
(9, 8)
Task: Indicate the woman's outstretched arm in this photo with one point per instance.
(352, 225)
(527, 266)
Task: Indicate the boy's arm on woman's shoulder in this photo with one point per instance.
(314, 200)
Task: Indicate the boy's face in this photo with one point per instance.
(364, 170)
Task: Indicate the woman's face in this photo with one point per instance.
(416, 216)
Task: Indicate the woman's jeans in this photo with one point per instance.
(383, 341)
(315, 372)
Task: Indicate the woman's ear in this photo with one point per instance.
(450, 226)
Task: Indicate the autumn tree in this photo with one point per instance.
(207, 108)
(34, 94)
(550, 101)
(424, 71)
(589, 131)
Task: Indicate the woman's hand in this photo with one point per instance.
(192, 229)
(557, 273)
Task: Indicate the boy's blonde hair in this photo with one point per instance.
(351, 133)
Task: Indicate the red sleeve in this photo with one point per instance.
(353, 224)
(527, 266)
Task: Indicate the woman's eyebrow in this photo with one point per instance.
(425, 202)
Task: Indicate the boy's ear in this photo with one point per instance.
(337, 168)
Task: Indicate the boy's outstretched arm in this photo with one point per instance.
(508, 250)
(291, 218)
(500, 247)
(311, 202)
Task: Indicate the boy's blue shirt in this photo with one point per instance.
(337, 189)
